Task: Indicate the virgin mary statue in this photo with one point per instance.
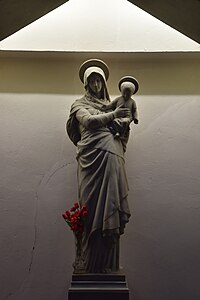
(102, 180)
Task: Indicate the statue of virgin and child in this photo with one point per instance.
(99, 128)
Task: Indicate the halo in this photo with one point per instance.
(129, 79)
(93, 63)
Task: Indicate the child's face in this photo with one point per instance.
(127, 93)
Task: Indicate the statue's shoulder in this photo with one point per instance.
(133, 101)
(78, 103)
(72, 125)
(80, 99)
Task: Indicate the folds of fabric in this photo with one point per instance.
(103, 188)
(102, 184)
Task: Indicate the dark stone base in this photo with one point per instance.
(98, 287)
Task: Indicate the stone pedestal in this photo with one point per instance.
(98, 287)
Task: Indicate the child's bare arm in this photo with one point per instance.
(110, 106)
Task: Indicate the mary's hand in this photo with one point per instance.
(121, 112)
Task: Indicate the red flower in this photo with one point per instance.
(76, 205)
(84, 213)
(64, 216)
(67, 213)
(75, 218)
(74, 227)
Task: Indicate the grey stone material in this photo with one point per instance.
(99, 154)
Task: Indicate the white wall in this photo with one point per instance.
(93, 25)
(160, 248)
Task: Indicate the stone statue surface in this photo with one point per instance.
(101, 174)
(128, 86)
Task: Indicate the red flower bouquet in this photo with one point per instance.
(75, 218)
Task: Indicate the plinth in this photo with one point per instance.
(98, 287)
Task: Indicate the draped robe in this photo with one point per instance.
(102, 184)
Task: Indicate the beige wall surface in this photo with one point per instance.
(57, 73)
(160, 248)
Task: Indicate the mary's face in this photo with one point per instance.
(95, 83)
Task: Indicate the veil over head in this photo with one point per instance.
(95, 66)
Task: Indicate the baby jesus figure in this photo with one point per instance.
(121, 126)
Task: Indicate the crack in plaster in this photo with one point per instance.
(44, 180)
(35, 229)
(21, 288)
(56, 170)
